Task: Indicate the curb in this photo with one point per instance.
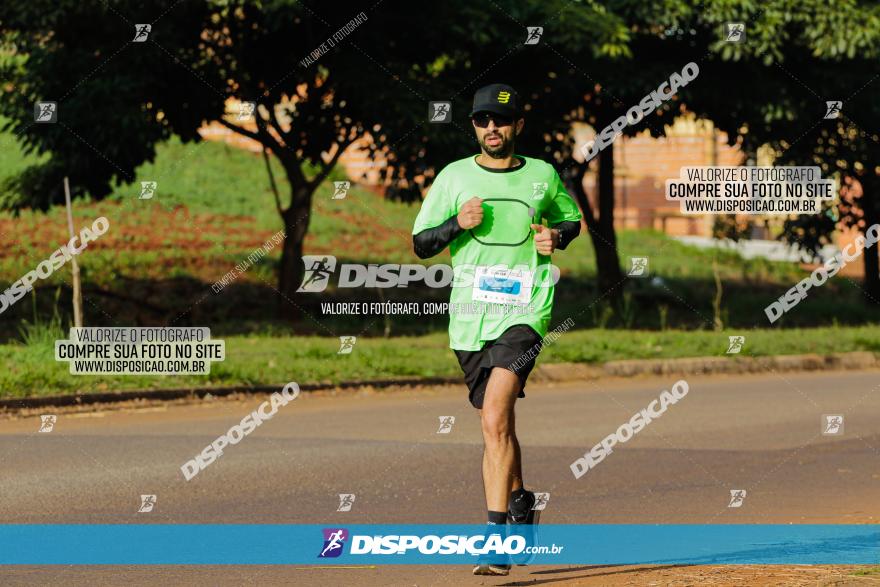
(547, 373)
(558, 372)
(83, 399)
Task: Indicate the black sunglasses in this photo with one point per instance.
(481, 119)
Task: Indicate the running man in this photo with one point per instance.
(489, 209)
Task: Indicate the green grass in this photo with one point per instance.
(214, 206)
(867, 572)
(254, 360)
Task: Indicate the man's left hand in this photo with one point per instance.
(546, 239)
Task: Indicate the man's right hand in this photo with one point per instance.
(471, 214)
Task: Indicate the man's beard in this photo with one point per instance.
(502, 151)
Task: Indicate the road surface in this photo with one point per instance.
(761, 433)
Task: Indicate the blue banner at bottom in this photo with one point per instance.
(244, 544)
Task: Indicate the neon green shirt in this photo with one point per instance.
(489, 302)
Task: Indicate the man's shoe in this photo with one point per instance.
(525, 525)
(493, 563)
(496, 569)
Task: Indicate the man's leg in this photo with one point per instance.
(502, 464)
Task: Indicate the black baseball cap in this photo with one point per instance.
(496, 98)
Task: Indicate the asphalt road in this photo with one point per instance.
(761, 433)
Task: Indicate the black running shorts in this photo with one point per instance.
(507, 349)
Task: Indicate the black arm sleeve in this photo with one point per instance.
(568, 230)
(431, 241)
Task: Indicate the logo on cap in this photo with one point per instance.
(503, 97)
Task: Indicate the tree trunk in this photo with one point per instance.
(604, 238)
(296, 225)
(609, 275)
(869, 207)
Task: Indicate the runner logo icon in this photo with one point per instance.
(737, 497)
(46, 112)
(334, 540)
(736, 344)
(47, 422)
(346, 500)
(147, 504)
(535, 33)
(141, 32)
(541, 500)
(319, 268)
(446, 423)
(832, 109)
(833, 424)
(538, 190)
(639, 265)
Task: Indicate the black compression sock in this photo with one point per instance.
(521, 501)
(497, 518)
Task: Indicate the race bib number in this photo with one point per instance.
(502, 286)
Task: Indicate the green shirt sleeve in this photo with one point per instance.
(562, 207)
(437, 207)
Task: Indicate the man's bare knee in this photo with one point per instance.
(496, 425)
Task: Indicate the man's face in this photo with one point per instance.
(496, 133)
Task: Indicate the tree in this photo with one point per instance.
(795, 59)
(316, 90)
(118, 98)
